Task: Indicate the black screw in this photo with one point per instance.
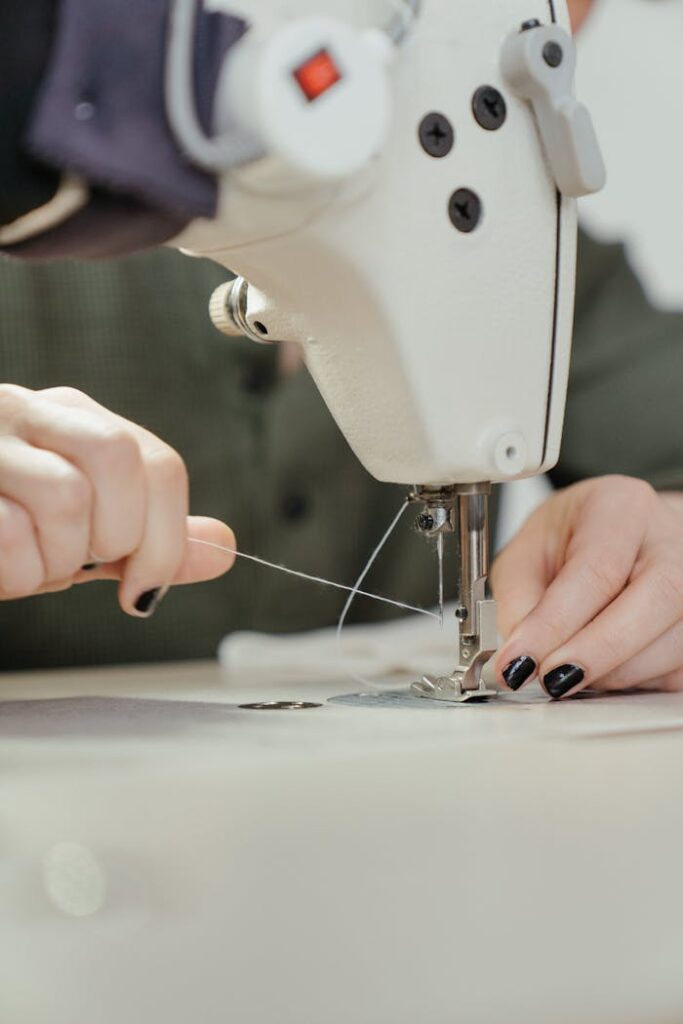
(461, 614)
(553, 54)
(531, 23)
(436, 134)
(425, 522)
(464, 209)
(489, 109)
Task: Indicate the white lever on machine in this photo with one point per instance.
(539, 64)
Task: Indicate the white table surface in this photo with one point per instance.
(167, 856)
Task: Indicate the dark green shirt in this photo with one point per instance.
(264, 454)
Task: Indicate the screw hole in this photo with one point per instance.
(510, 452)
(260, 327)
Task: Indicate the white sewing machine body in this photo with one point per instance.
(411, 224)
(441, 352)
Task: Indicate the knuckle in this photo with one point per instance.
(549, 626)
(602, 576)
(168, 468)
(113, 545)
(612, 647)
(66, 395)
(668, 584)
(71, 495)
(11, 398)
(118, 451)
(22, 574)
(635, 491)
(15, 526)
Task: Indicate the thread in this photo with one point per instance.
(353, 591)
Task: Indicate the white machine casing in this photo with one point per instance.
(442, 355)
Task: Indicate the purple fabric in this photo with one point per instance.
(101, 109)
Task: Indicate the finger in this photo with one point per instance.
(105, 449)
(647, 609)
(520, 575)
(56, 496)
(201, 562)
(598, 562)
(153, 565)
(21, 564)
(519, 579)
(654, 663)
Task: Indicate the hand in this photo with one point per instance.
(590, 591)
(80, 485)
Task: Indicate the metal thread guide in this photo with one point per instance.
(463, 508)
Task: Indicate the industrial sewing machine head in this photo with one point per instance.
(406, 212)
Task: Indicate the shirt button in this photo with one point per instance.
(295, 507)
(255, 380)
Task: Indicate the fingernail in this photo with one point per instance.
(148, 602)
(563, 679)
(518, 671)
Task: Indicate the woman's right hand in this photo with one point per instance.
(80, 485)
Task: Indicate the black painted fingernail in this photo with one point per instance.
(147, 603)
(563, 679)
(90, 566)
(518, 671)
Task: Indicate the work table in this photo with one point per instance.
(170, 856)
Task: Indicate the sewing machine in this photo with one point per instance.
(181, 843)
(407, 215)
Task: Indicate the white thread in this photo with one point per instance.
(354, 591)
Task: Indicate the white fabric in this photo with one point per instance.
(411, 645)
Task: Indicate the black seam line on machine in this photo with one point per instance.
(551, 377)
(553, 350)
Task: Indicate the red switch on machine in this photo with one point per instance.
(318, 74)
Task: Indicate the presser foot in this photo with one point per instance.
(449, 688)
(464, 686)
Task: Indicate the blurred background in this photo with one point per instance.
(631, 75)
(135, 334)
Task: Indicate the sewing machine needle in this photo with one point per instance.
(439, 550)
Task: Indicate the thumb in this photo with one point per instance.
(202, 561)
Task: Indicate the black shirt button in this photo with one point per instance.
(295, 507)
(256, 380)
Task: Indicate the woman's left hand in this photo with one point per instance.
(590, 591)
